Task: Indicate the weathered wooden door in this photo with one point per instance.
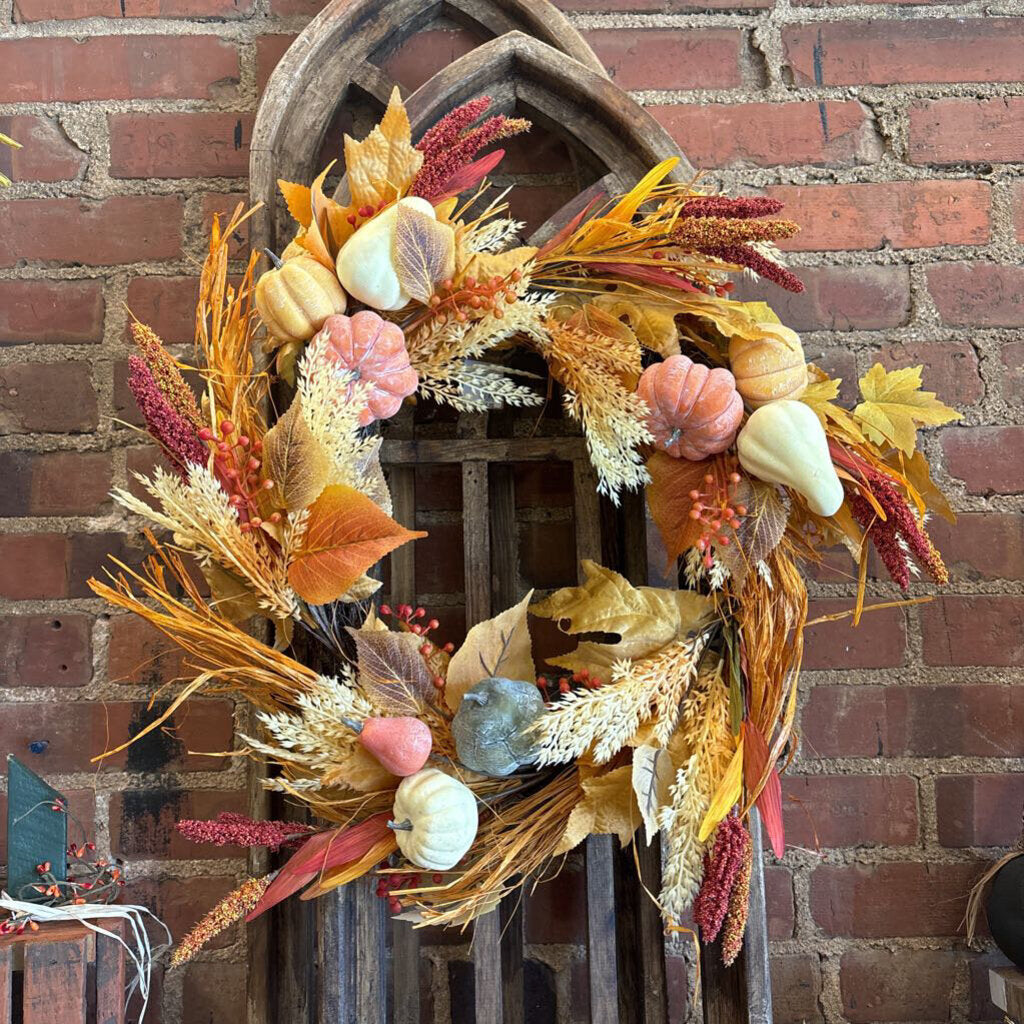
(344, 960)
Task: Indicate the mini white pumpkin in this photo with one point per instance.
(435, 819)
(364, 264)
(784, 443)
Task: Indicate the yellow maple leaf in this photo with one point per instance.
(382, 167)
(645, 619)
(608, 807)
(894, 407)
(820, 395)
(653, 321)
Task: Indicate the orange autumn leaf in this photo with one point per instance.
(346, 533)
(668, 495)
(299, 200)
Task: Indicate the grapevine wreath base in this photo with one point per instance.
(456, 776)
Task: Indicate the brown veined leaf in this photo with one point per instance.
(894, 407)
(668, 497)
(499, 646)
(760, 530)
(382, 167)
(423, 252)
(295, 460)
(644, 618)
(653, 775)
(298, 199)
(608, 807)
(346, 533)
(392, 673)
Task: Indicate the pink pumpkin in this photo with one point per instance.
(695, 411)
(374, 349)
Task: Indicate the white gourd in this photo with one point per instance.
(435, 819)
(784, 443)
(364, 264)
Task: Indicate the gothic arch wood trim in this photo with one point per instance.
(333, 53)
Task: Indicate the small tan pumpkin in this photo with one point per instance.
(296, 297)
(373, 349)
(769, 367)
(695, 411)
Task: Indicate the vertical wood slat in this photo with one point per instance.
(504, 594)
(55, 976)
(111, 976)
(643, 995)
(6, 961)
(476, 542)
(405, 940)
(600, 855)
(755, 938)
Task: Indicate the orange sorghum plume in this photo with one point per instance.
(234, 906)
(700, 232)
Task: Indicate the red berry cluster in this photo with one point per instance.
(406, 617)
(460, 302)
(237, 465)
(566, 683)
(365, 213)
(714, 508)
(386, 885)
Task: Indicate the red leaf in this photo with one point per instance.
(320, 853)
(564, 232)
(469, 176)
(769, 800)
(652, 275)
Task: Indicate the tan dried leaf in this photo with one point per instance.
(760, 529)
(230, 596)
(485, 265)
(608, 807)
(295, 460)
(423, 252)
(498, 646)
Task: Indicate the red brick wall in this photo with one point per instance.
(887, 131)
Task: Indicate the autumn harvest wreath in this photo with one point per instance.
(455, 776)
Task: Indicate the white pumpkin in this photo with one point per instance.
(784, 443)
(435, 819)
(364, 264)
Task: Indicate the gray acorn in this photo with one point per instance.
(491, 727)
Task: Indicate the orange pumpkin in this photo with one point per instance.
(373, 349)
(769, 367)
(695, 411)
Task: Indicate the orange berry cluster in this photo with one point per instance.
(236, 466)
(406, 618)
(460, 302)
(565, 683)
(713, 507)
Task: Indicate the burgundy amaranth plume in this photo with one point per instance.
(230, 829)
(451, 144)
(172, 431)
(720, 872)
